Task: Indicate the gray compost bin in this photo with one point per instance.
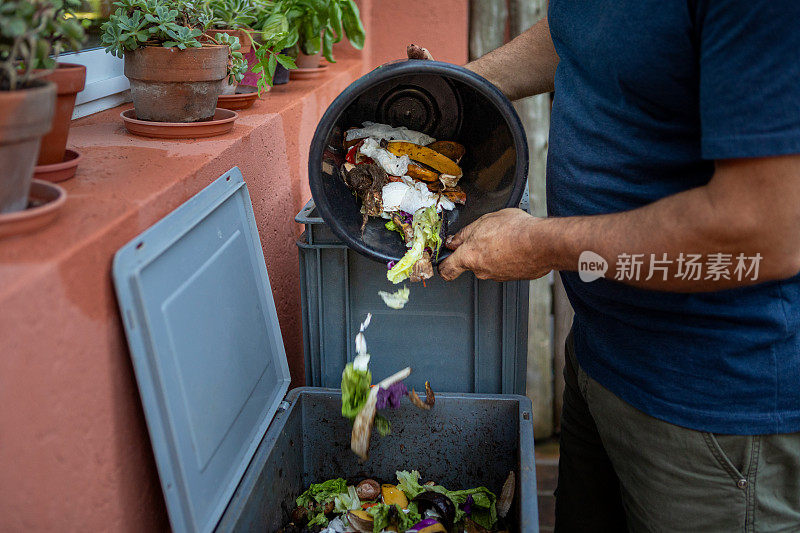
(233, 450)
(474, 330)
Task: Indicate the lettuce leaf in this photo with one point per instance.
(427, 226)
(383, 425)
(484, 510)
(391, 226)
(383, 515)
(409, 483)
(347, 501)
(429, 221)
(402, 270)
(355, 390)
(322, 492)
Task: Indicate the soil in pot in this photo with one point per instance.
(70, 80)
(171, 85)
(27, 115)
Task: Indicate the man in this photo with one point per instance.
(674, 157)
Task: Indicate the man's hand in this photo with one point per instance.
(500, 246)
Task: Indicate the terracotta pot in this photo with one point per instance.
(70, 80)
(172, 85)
(306, 61)
(27, 114)
(244, 40)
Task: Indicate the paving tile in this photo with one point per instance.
(546, 476)
(547, 511)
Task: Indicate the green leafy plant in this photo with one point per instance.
(314, 25)
(232, 14)
(32, 35)
(169, 23)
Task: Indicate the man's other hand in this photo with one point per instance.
(499, 246)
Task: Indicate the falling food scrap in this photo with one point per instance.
(397, 299)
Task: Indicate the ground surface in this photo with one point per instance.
(546, 479)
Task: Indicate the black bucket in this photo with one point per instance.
(449, 103)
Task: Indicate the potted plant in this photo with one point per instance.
(314, 26)
(174, 76)
(30, 32)
(233, 17)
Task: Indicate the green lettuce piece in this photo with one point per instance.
(402, 270)
(391, 226)
(322, 492)
(484, 510)
(355, 390)
(382, 516)
(427, 226)
(319, 519)
(409, 483)
(383, 425)
(430, 222)
(347, 501)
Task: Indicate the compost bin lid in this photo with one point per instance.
(205, 344)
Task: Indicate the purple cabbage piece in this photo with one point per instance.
(390, 265)
(425, 523)
(391, 397)
(467, 505)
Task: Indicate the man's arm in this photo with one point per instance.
(522, 67)
(750, 206)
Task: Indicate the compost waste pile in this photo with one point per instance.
(407, 506)
(409, 179)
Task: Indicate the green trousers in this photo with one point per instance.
(623, 470)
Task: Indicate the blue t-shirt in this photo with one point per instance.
(648, 94)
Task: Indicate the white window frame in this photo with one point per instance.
(106, 84)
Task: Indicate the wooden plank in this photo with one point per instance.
(487, 26)
(562, 322)
(535, 115)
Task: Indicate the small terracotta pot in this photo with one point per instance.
(27, 114)
(172, 85)
(70, 80)
(244, 39)
(306, 61)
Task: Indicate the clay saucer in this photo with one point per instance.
(58, 172)
(307, 73)
(243, 98)
(220, 123)
(45, 201)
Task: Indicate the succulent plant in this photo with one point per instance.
(32, 35)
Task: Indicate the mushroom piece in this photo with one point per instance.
(369, 489)
(360, 520)
(422, 269)
(441, 504)
(430, 399)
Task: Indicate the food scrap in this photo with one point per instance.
(361, 401)
(408, 178)
(397, 299)
(405, 505)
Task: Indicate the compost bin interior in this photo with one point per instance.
(448, 103)
(464, 441)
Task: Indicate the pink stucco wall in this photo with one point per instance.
(74, 449)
